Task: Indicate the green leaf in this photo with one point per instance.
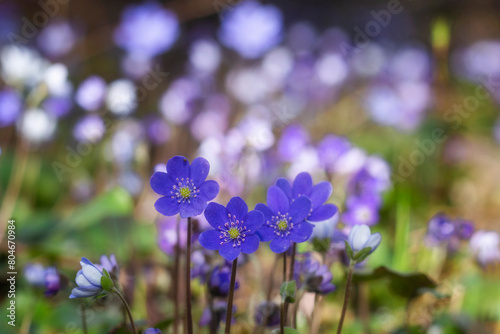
(288, 330)
(407, 285)
(116, 202)
(362, 254)
(287, 291)
(348, 250)
(321, 245)
(106, 281)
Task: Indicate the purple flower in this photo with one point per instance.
(91, 93)
(440, 228)
(485, 245)
(183, 187)
(318, 194)
(152, 330)
(88, 280)
(330, 149)
(89, 129)
(56, 39)
(361, 211)
(157, 130)
(234, 229)
(445, 230)
(58, 106)
(147, 29)
(252, 29)
(200, 267)
(52, 281)
(285, 220)
(109, 264)
(268, 312)
(35, 274)
(10, 106)
(38, 276)
(293, 140)
(220, 280)
(167, 235)
(219, 313)
(313, 276)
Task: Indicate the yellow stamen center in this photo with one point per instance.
(234, 233)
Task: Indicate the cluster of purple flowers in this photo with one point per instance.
(46, 277)
(312, 276)
(442, 229)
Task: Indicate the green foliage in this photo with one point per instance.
(287, 291)
(407, 285)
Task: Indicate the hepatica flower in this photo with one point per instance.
(284, 220)
(152, 330)
(234, 229)
(317, 194)
(183, 187)
(359, 239)
(88, 280)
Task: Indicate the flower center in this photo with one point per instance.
(233, 231)
(282, 225)
(184, 190)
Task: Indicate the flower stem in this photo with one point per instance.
(290, 273)
(177, 250)
(189, 315)
(229, 311)
(282, 308)
(346, 297)
(84, 320)
(127, 308)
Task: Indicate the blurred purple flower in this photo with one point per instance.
(313, 276)
(152, 330)
(35, 274)
(108, 263)
(330, 149)
(293, 139)
(361, 211)
(219, 313)
(205, 55)
(442, 229)
(301, 37)
(147, 29)
(89, 129)
(10, 106)
(219, 281)
(251, 28)
(285, 220)
(52, 281)
(268, 312)
(176, 104)
(234, 229)
(200, 267)
(167, 235)
(58, 106)
(91, 93)
(183, 187)
(157, 130)
(485, 245)
(56, 39)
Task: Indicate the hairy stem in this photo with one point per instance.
(127, 308)
(346, 297)
(189, 314)
(229, 311)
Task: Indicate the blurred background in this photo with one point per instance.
(394, 102)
